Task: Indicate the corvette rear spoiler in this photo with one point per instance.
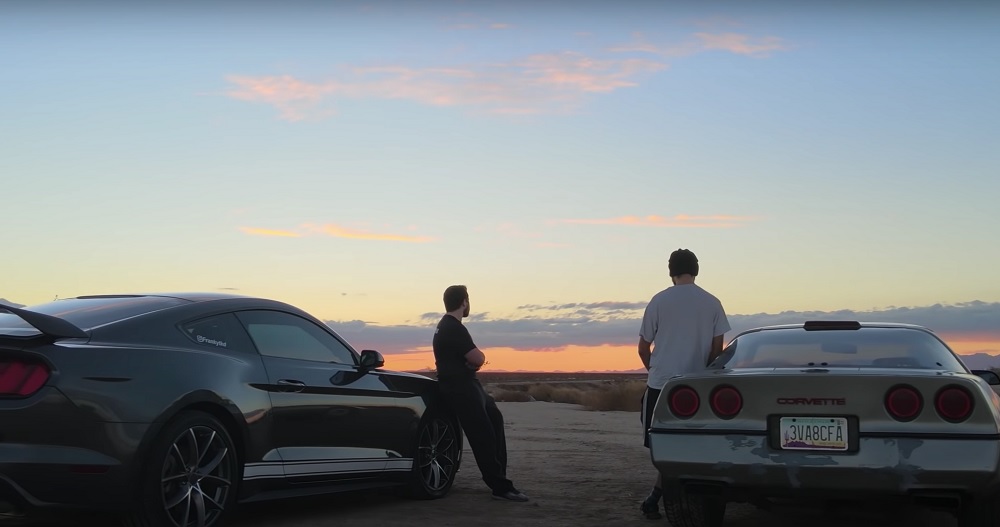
(49, 325)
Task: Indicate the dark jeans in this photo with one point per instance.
(483, 425)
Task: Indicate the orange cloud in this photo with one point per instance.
(536, 84)
(288, 94)
(741, 44)
(344, 232)
(678, 221)
(269, 232)
(738, 43)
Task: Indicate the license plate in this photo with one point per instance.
(813, 433)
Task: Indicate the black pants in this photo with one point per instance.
(483, 425)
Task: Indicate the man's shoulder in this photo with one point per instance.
(449, 323)
(685, 295)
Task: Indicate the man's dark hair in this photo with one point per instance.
(454, 296)
(683, 261)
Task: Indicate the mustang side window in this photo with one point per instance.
(220, 332)
(278, 334)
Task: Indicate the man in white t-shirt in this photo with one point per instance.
(682, 331)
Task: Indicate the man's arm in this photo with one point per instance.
(475, 358)
(645, 351)
(716, 349)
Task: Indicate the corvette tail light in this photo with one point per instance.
(903, 403)
(953, 403)
(726, 402)
(683, 401)
(21, 379)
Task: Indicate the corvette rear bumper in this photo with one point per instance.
(745, 465)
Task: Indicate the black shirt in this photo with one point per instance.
(451, 342)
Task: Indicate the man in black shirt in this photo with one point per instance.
(457, 360)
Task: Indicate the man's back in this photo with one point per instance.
(450, 343)
(681, 321)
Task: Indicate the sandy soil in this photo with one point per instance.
(579, 467)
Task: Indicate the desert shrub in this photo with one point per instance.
(510, 396)
(598, 396)
(555, 394)
(622, 396)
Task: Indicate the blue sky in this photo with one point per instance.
(355, 158)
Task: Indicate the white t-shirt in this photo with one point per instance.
(681, 321)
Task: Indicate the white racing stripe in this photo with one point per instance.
(278, 469)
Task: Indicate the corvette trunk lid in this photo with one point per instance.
(858, 396)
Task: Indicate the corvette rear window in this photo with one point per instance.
(863, 348)
(87, 312)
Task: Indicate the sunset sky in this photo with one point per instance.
(354, 158)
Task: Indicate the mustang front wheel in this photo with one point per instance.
(438, 457)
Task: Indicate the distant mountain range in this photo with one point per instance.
(6, 302)
(981, 361)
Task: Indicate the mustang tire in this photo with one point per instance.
(694, 511)
(191, 476)
(439, 454)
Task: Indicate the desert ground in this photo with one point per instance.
(580, 467)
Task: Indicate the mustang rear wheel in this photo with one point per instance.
(439, 451)
(694, 510)
(191, 475)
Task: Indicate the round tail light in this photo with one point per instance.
(726, 402)
(953, 403)
(903, 403)
(684, 401)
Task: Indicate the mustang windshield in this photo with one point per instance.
(859, 348)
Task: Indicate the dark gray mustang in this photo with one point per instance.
(174, 408)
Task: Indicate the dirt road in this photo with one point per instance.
(580, 468)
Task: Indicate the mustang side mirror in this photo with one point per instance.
(371, 359)
(989, 376)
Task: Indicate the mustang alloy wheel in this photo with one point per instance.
(191, 477)
(438, 457)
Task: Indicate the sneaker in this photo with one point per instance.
(650, 508)
(511, 495)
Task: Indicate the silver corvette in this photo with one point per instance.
(830, 411)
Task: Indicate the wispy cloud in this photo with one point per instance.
(557, 83)
(738, 43)
(295, 99)
(717, 221)
(337, 231)
(534, 84)
(270, 232)
(617, 323)
(741, 44)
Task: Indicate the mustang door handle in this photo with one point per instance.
(287, 385)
